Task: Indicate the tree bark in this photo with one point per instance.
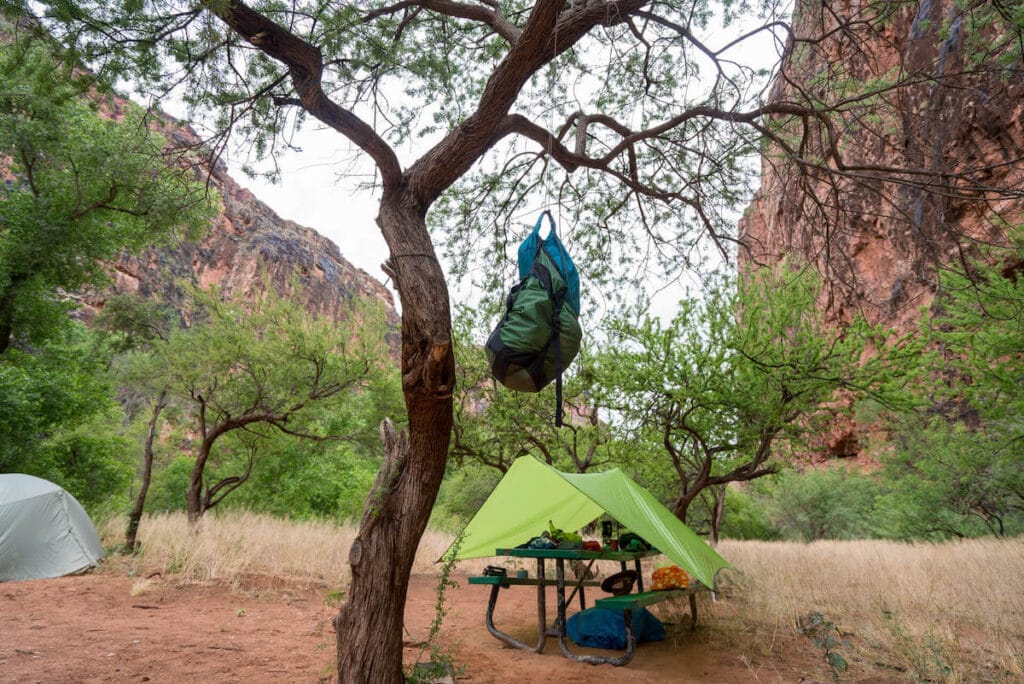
(7, 300)
(718, 514)
(369, 624)
(130, 543)
(194, 500)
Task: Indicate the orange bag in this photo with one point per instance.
(672, 577)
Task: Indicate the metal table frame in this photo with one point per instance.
(558, 628)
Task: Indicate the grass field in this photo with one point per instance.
(903, 612)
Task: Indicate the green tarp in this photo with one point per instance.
(533, 493)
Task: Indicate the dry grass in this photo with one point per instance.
(923, 612)
(235, 545)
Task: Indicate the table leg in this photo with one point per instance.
(560, 593)
(541, 616)
(639, 577)
(693, 612)
(580, 586)
(542, 604)
(560, 628)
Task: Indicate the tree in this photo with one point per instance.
(58, 416)
(827, 503)
(644, 152)
(955, 466)
(734, 379)
(80, 188)
(134, 324)
(244, 371)
(330, 479)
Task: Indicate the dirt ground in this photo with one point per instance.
(105, 626)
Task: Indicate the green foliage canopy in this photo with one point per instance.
(78, 189)
(248, 378)
(955, 467)
(735, 380)
(58, 417)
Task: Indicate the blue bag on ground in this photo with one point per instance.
(606, 628)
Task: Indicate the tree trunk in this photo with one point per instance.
(6, 316)
(369, 624)
(194, 494)
(717, 513)
(130, 543)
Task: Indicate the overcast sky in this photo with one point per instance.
(314, 193)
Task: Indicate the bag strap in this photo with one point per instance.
(540, 221)
(558, 300)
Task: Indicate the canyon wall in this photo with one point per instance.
(246, 240)
(900, 181)
(911, 160)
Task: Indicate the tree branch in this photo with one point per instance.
(490, 17)
(305, 64)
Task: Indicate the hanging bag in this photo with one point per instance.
(539, 335)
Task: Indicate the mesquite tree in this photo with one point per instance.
(738, 384)
(634, 114)
(247, 371)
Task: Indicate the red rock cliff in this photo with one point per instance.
(922, 171)
(245, 239)
(902, 182)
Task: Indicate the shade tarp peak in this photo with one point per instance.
(533, 493)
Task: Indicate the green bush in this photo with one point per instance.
(167, 489)
(462, 493)
(746, 517)
(829, 503)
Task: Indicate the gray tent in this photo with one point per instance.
(44, 531)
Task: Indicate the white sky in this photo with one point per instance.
(317, 190)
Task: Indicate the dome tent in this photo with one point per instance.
(44, 531)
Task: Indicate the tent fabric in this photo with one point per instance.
(532, 493)
(44, 531)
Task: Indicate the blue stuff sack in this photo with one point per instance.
(606, 628)
(555, 250)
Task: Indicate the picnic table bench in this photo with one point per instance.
(631, 602)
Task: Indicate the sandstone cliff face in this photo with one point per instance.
(903, 183)
(932, 168)
(246, 240)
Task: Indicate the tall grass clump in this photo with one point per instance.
(231, 545)
(927, 612)
(234, 545)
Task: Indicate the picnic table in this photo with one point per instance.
(627, 603)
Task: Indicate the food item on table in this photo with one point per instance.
(671, 577)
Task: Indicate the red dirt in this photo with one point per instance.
(91, 629)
